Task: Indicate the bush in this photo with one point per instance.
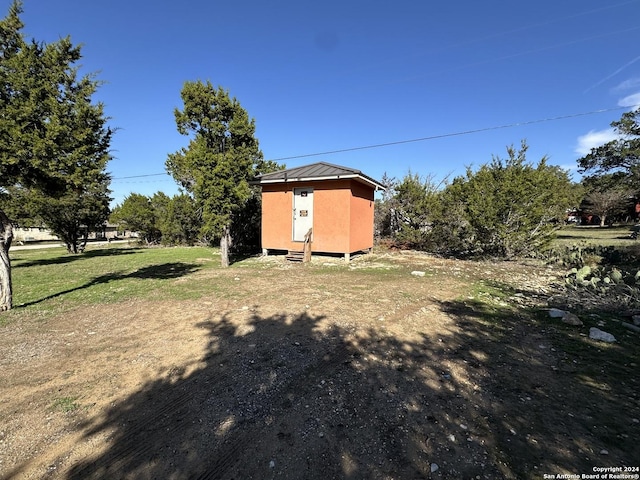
(408, 210)
(507, 208)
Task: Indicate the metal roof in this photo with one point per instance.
(317, 171)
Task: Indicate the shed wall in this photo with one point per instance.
(362, 208)
(342, 216)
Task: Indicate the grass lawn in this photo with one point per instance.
(50, 281)
(617, 236)
(598, 246)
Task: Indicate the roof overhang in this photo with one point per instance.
(286, 179)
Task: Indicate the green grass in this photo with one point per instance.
(593, 235)
(490, 291)
(51, 281)
(65, 404)
(595, 246)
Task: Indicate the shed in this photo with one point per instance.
(334, 203)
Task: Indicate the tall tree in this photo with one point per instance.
(53, 139)
(618, 158)
(222, 157)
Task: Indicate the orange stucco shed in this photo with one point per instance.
(336, 203)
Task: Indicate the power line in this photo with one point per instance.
(141, 176)
(445, 135)
(143, 181)
(422, 139)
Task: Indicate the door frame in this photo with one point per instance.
(294, 213)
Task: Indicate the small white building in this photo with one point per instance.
(33, 234)
(43, 234)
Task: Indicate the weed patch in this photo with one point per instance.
(65, 404)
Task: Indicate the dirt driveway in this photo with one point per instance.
(317, 371)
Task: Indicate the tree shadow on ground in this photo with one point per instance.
(558, 401)
(285, 396)
(164, 271)
(69, 258)
(276, 397)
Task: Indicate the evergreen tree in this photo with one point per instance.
(137, 213)
(53, 139)
(618, 159)
(415, 203)
(506, 208)
(71, 216)
(180, 224)
(385, 219)
(222, 157)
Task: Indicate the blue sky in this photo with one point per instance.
(334, 75)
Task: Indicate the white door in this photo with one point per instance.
(302, 212)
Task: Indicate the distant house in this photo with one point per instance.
(334, 204)
(43, 234)
(112, 231)
(33, 234)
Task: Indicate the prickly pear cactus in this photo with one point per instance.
(608, 288)
(615, 275)
(583, 273)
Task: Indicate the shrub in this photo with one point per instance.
(507, 208)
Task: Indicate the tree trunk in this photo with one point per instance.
(225, 243)
(85, 239)
(603, 219)
(6, 294)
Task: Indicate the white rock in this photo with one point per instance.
(604, 452)
(418, 273)
(434, 467)
(272, 464)
(597, 334)
(556, 313)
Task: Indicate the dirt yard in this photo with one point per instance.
(321, 371)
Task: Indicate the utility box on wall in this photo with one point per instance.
(336, 203)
